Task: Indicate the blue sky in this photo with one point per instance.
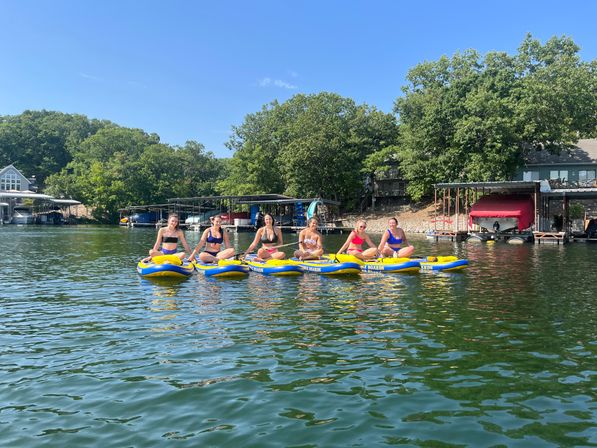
(190, 70)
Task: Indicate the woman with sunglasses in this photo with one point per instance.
(270, 238)
(354, 243)
(392, 241)
(213, 238)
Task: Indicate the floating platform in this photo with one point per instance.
(550, 237)
(447, 235)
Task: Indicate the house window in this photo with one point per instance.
(586, 177)
(530, 175)
(559, 174)
(10, 181)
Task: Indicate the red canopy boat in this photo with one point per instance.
(499, 212)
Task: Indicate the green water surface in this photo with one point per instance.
(501, 354)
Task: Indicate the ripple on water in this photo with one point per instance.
(499, 354)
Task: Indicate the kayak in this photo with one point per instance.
(165, 266)
(385, 265)
(328, 267)
(274, 267)
(224, 268)
(446, 264)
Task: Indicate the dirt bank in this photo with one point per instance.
(412, 219)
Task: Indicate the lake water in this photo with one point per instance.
(501, 354)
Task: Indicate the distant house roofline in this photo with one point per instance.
(584, 153)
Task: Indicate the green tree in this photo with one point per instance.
(466, 119)
(308, 146)
(41, 143)
(118, 166)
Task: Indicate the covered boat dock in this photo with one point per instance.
(457, 217)
(240, 212)
(39, 208)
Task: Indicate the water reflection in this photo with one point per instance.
(504, 349)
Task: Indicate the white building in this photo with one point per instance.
(14, 187)
(12, 179)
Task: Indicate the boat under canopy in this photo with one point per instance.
(499, 212)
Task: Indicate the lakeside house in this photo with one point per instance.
(18, 194)
(576, 168)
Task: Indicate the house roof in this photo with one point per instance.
(585, 152)
(23, 194)
(11, 166)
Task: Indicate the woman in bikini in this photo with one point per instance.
(392, 241)
(212, 239)
(270, 238)
(354, 243)
(168, 238)
(310, 242)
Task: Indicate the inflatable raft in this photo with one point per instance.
(224, 268)
(386, 265)
(329, 267)
(446, 264)
(165, 266)
(274, 267)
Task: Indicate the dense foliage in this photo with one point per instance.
(464, 118)
(311, 145)
(105, 166)
(118, 166)
(467, 119)
(40, 143)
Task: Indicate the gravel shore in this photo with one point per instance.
(410, 218)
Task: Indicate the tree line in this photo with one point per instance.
(464, 118)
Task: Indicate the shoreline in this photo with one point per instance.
(411, 220)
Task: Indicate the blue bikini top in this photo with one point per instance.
(393, 240)
(213, 240)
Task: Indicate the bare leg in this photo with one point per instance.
(207, 258)
(152, 253)
(387, 252)
(313, 255)
(406, 252)
(263, 255)
(226, 254)
(356, 253)
(278, 255)
(370, 253)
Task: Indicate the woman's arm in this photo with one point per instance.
(382, 243)
(319, 244)
(256, 240)
(199, 245)
(158, 240)
(226, 239)
(302, 239)
(403, 237)
(347, 243)
(279, 233)
(369, 242)
(184, 242)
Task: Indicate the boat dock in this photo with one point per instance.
(550, 237)
(239, 213)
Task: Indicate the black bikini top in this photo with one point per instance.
(266, 240)
(169, 239)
